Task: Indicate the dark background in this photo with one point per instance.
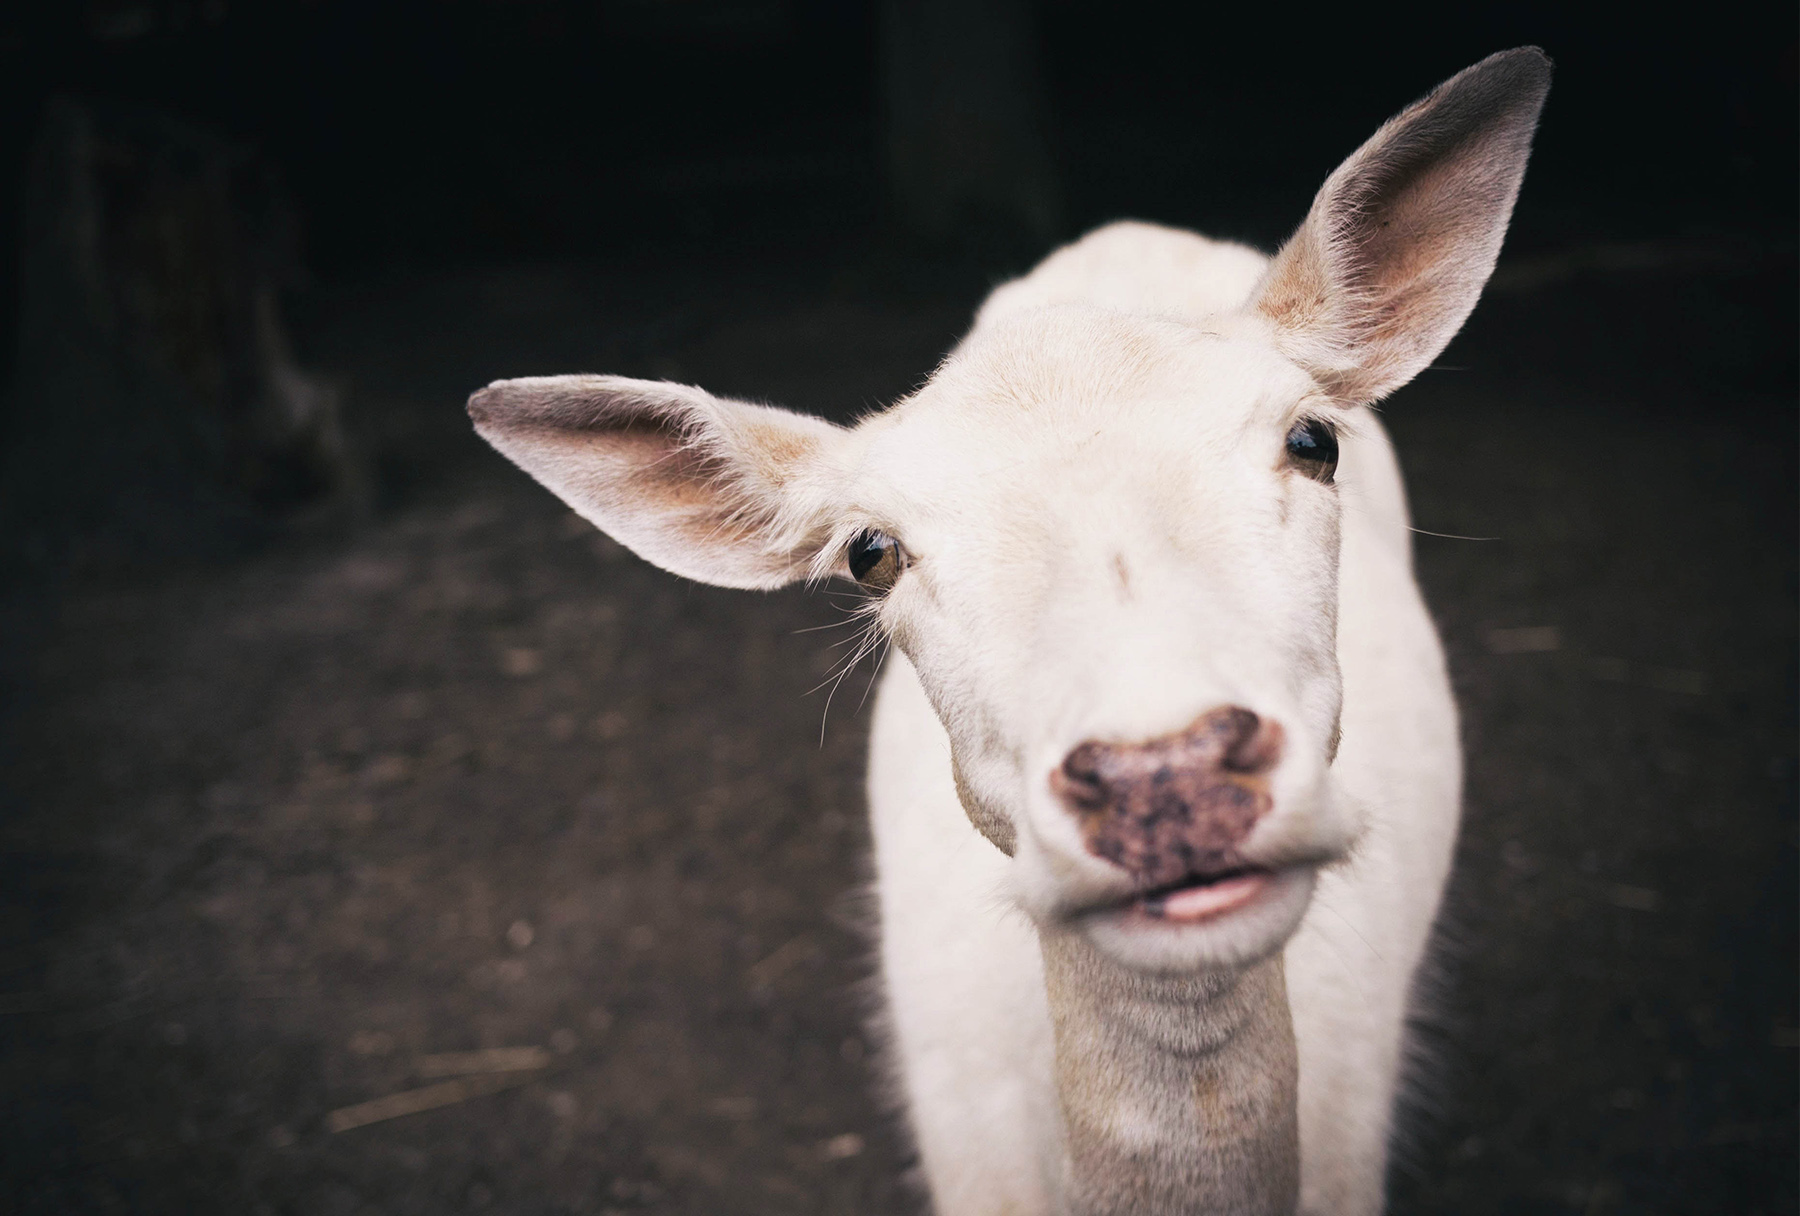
(292, 807)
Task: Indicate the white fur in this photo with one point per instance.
(961, 964)
(1106, 539)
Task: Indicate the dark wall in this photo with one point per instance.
(445, 129)
(1654, 123)
(468, 127)
(432, 130)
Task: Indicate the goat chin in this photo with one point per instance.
(1239, 937)
(1122, 923)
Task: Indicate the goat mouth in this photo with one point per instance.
(1201, 897)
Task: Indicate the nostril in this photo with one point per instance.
(1078, 781)
(1254, 744)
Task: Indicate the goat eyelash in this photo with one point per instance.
(865, 617)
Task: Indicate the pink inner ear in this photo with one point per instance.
(652, 459)
(1403, 236)
(693, 483)
(644, 476)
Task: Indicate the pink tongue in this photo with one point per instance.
(1198, 903)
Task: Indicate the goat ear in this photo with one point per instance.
(1402, 237)
(719, 491)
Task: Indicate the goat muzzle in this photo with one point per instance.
(1174, 809)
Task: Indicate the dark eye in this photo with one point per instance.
(1312, 448)
(876, 559)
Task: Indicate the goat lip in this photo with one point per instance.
(1202, 898)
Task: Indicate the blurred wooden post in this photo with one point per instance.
(157, 404)
(967, 126)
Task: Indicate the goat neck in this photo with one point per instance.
(1178, 1092)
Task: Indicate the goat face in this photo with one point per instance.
(1109, 546)
(1107, 543)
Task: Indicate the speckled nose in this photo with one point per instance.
(1175, 807)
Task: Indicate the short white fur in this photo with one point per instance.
(1104, 540)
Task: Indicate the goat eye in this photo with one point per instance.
(876, 559)
(1312, 446)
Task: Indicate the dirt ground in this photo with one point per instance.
(281, 832)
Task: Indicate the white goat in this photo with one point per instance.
(1144, 548)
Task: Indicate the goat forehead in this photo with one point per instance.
(1073, 359)
(1059, 408)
